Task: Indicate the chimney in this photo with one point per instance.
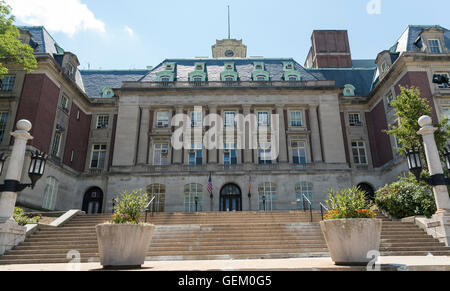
(329, 49)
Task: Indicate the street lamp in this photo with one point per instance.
(440, 79)
(35, 172)
(414, 162)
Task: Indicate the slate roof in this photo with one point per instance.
(45, 42)
(361, 78)
(407, 42)
(213, 68)
(95, 80)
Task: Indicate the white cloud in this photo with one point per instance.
(67, 16)
(129, 30)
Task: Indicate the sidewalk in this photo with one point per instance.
(304, 264)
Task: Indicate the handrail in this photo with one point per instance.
(305, 199)
(148, 207)
(322, 208)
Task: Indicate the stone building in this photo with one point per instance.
(110, 130)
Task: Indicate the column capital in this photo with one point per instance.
(247, 107)
(280, 106)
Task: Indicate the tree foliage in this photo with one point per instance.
(12, 51)
(409, 107)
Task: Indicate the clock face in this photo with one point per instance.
(229, 53)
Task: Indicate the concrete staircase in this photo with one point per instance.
(200, 236)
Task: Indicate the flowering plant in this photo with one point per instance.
(348, 203)
(129, 206)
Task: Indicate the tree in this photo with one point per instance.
(12, 50)
(409, 107)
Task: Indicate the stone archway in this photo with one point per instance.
(93, 201)
(369, 190)
(230, 198)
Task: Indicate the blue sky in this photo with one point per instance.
(129, 34)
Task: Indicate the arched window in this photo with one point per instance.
(157, 191)
(261, 78)
(165, 79)
(303, 188)
(50, 193)
(193, 198)
(267, 196)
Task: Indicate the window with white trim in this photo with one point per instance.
(162, 119)
(8, 83)
(3, 123)
(98, 156)
(158, 192)
(193, 193)
(267, 196)
(354, 119)
(102, 121)
(64, 103)
(195, 154)
(263, 118)
(306, 189)
(230, 118)
(56, 144)
(299, 152)
(296, 118)
(359, 152)
(196, 119)
(435, 46)
(230, 154)
(265, 153)
(161, 154)
(50, 193)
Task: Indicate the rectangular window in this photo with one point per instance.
(444, 85)
(359, 152)
(161, 154)
(435, 46)
(389, 98)
(3, 123)
(196, 155)
(265, 154)
(354, 119)
(230, 154)
(263, 118)
(384, 67)
(56, 144)
(64, 103)
(230, 119)
(98, 156)
(296, 118)
(102, 121)
(196, 119)
(7, 83)
(299, 152)
(162, 119)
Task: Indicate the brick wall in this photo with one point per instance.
(380, 144)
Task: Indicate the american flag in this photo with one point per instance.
(210, 185)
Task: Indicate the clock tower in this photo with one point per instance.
(229, 48)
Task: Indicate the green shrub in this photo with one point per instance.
(22, 219)
(406, 197)
(129, 207)
(348, 203)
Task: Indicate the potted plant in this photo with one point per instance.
(123, 242)
(350, 228)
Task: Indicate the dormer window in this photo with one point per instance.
(165, 79)
(290, 74)
(261, 78)
(169, 67)
(229, 78)
(107, 92)
(258, 67)
(349, 90)
(70, 70)
(435, 46)
(259, 74)
(229, 74)
(292, 78)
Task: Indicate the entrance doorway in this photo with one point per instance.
(230, 198)
(93, 201)
(368, 189)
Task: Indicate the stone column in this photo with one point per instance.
(212, 153)
(177, 154)
(143, 136)
(435, 168)
(247, 151)
(315, 134)
(282, 135)
(11, 234)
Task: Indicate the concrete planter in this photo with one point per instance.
(123, 245)
(350, 240)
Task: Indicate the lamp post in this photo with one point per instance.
(11, 233)
(437, 178)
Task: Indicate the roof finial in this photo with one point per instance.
(229, 27)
